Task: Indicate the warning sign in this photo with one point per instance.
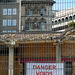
(44, 69)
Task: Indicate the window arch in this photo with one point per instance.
(42, 19)
(28, 20)
(70, 18)
(55, 21)
(59, 21)
(62, 19)
(66, 19)
(73, 16)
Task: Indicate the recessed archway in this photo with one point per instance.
(62, 19)
(70, 18)
(55, 21)
(66, 19)
(59, 21)
(73, 16)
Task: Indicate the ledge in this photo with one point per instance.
(38, 2)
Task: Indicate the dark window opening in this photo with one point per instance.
(16, 51)
(59, 21)
(4, 52)
(56, 22)
(7, 1)
(52, 22)
(60, 28)
(66, 19)
(62, 19)
(74, 17)
(68, 68)
(70, 18)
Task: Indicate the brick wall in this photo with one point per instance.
(37, 50)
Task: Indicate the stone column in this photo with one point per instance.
(58, 53)
(11, 60)
(19, 1)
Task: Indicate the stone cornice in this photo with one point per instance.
(38, 2)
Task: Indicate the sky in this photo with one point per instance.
(63, 4)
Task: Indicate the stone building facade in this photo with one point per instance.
(62, 18)
(36, 15)
(26, 15)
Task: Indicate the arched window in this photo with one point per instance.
(59, 21)
(70, 18)
(42, 11)
(55, 21)
(73, 16)
(62, 19)
(66, 19)
(42, 26)
(52, 22)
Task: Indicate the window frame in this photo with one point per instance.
(14, 21)
(9, 22)
(5, 11)
(28, 12)
(28, 26)
(4, 22)
(9, 11)
(14, 11)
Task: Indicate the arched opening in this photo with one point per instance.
(59, 21)
(42, 19)
(70, 18)
(55, 21)
(73, 16)
(66, 19)
(62, 19)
